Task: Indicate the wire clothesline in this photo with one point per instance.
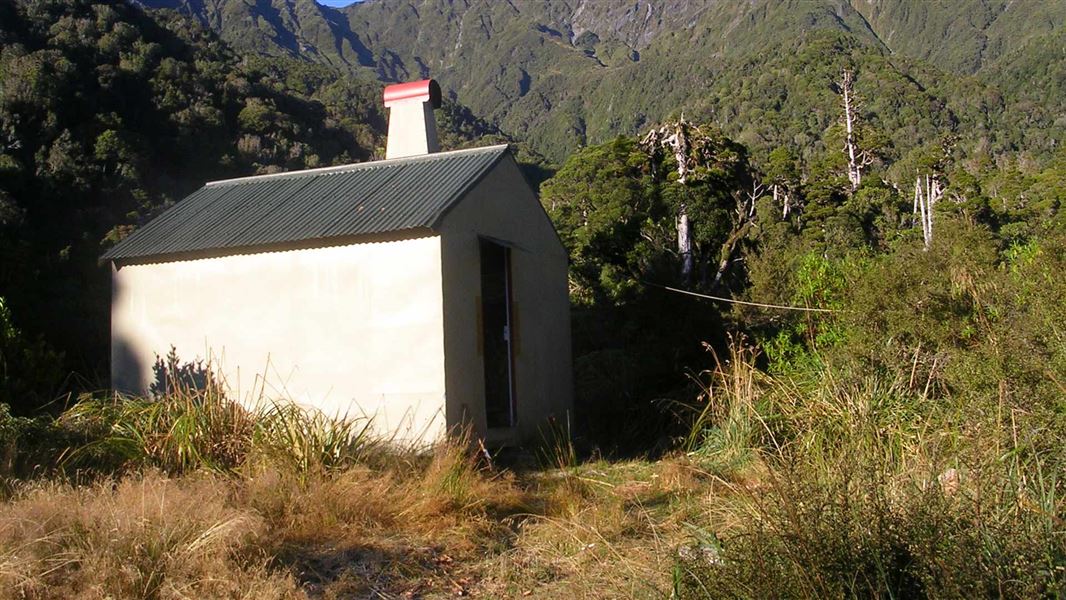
(744, 302)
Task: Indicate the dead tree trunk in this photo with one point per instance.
(675, 137)
(857, 159)
(782, 195)
(924, 201)
(684, 243)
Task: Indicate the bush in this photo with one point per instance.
(11, 431)
(36, 446)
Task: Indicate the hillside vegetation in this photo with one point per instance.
(818, 316)
(564, 74)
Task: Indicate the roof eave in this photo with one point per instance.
(307, 244)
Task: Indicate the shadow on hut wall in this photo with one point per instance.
(127, 372)
(170, 374)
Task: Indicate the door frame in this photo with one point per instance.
(509, 329)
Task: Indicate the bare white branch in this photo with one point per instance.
(925, 198)
(857, 159)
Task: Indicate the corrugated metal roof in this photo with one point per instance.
(318, 204)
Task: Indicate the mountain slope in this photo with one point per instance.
(289, 28)
(567, 73)
(962, 36)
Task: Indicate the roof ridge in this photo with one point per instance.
(360, 166)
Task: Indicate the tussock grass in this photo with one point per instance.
(556, 446)
(206, 498)
(814, 483)
(278, 533)
(139, 537)
(844, 487)
(180, 432)
(306, 441)
(199, 427)
(870, 488)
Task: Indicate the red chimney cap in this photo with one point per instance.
(426, 90)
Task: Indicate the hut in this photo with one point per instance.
(425, 290)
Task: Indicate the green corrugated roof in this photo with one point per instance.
(378, 197)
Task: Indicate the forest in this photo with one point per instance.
(818, 335)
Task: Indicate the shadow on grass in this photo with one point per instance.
(362, 571)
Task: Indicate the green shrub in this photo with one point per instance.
(11, 430)
(189, 428)
(307, 441)
(35, 446)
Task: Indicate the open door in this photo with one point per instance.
(496, 319)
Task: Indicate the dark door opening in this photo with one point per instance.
(496, 322)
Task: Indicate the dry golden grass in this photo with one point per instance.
(863, 497)
(602, 530)
(142, 537)
(438, 526)
(299, 512)
(412, 527)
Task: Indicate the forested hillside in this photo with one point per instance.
(563, 74)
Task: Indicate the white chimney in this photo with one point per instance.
(412, 128)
